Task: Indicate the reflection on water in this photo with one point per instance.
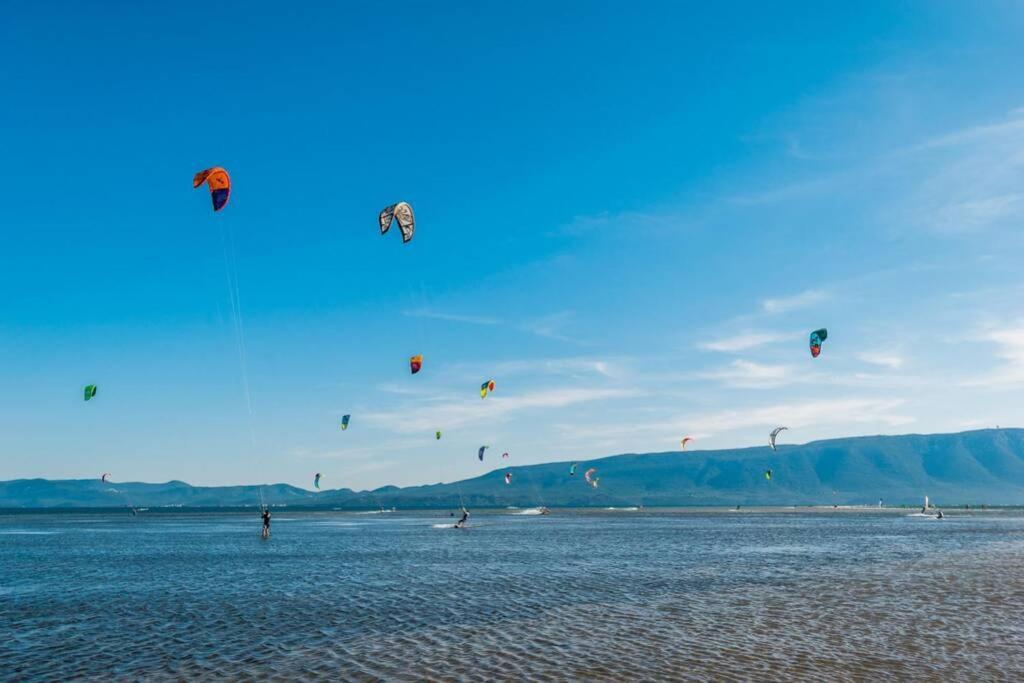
(608, 595)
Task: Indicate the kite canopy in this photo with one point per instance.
(220, 185)
(685, 440)
(401, 212)
(106, 475)
(486, 388)
(316, 481)
(480, 453)
(90, 391)
(817, 337)
(505, 455)
(508, 477)
(768, 475)
(437, 435)
(773, 435)
(572, 469)
(415, 364)
(589, 476)
(344, 421)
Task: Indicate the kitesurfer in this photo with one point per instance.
(266, 522)
(461, 524)
(939, 516)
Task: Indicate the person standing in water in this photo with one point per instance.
(461, 524)
(266, 522)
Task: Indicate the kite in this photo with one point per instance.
(486, 388)
(508, 477)
(589, 476)
(415, 363)
(505, 455)
(437, 435)
(817, 337)
(768, 475)
(403, 213)
(316, 481)
(105, 477)
(344, 421)
(480, 454)
(90, 391)
(773, 435)
(220, 185)
(685, 440)
(572, 469)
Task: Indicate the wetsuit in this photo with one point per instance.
(462, 522)
(266, 522)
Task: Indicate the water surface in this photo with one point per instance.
(596, 595)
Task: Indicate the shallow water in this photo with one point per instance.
(601, 595)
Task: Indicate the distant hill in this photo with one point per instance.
(976, 467)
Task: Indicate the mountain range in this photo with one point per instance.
(974, 467)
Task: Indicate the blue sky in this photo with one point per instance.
(629, 215)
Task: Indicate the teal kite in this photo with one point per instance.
(817, 337)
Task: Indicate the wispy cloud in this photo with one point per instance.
(1009, 343)
(462, 412)
(450, 317)
(785, 193)
(633, 220)
(975, 213)
(807, 413)
(552, 326)
(804, 299)
(745, 374)
(818, 414)
(742, 341)
(969, 180)
(971, 134)
(888, 360)
(570, 367)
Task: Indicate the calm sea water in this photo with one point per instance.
(603, 595)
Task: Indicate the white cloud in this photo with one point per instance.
(741, 342)
(791, 303)
(881, 358)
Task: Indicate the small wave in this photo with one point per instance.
(18, 532)
(530, 511)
